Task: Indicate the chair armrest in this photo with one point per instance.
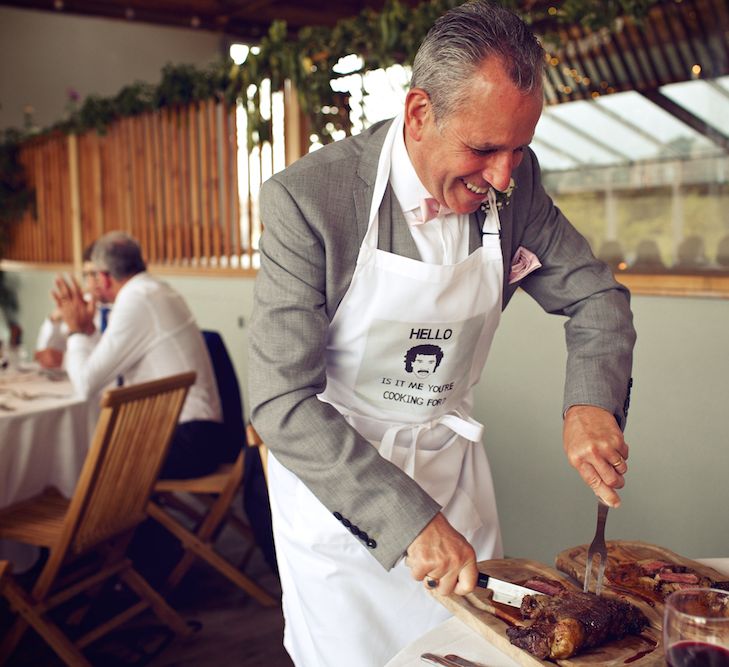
(254, 440)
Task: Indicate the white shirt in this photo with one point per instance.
(151, 334)
(439, 241)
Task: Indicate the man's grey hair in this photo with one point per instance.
(461, 40)
(119, 255)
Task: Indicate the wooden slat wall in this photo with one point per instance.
(47, 236)
(169, 178)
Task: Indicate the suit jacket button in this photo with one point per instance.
(337, 516)
(347, 523)
(372, 544)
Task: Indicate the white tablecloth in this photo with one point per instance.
(454, 636)
(45, 433)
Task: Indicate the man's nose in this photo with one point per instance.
(498, 171)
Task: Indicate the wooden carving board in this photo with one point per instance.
(482, 615)
(572, 562)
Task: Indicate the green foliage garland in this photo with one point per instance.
(15, 197)
(380, 38)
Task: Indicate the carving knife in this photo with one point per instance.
(504, 591)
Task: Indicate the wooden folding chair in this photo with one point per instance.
(216, 490)
(129, 446)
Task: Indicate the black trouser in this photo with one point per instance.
(257, 508)
(198, 448)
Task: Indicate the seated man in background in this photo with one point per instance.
(51, 342)
(151, 335)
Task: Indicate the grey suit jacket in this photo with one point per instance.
(315, 216)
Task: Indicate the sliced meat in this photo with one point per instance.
(650, 567)
(678, 577)
(655, 577)
(545, 585)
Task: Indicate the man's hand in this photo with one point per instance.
(77, 313)
(440, 552)
(49, 358)
(595, 447)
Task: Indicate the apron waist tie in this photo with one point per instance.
(466, 427)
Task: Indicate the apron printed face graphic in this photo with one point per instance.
(413, 367)
(423, 360)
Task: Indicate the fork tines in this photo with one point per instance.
(597, 549)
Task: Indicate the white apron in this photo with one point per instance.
(406, 345)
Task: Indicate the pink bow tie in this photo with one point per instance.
(429, 209)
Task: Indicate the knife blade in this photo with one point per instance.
(504, 591)
(433, 659)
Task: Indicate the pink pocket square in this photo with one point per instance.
(525, 261)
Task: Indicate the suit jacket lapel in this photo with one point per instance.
(394, 235)
(367, 172)
(507, 230)
(477, 219)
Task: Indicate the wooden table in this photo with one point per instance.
(45, 431)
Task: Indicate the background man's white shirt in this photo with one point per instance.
(151, 334)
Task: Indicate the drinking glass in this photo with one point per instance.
(696, 628)
(17, 357)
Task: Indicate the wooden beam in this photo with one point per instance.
(293, 140)
(687, 117)
(75, 199)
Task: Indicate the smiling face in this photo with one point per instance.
(476, 147)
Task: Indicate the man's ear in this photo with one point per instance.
(418, 110)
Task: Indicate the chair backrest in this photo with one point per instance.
(228, 387)
(130, 444)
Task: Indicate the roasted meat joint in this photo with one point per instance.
(570, 622)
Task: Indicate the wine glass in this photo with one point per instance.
(696, 628)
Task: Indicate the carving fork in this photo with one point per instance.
(597, 548)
